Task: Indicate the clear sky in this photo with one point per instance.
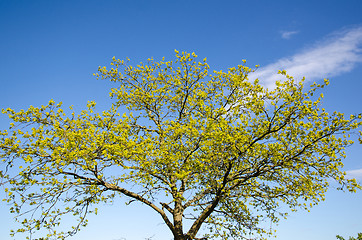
(50, 49)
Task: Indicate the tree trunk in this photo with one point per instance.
(177, 221)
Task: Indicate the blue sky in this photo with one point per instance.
(50, 49)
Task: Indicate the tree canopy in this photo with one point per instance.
(210, 148)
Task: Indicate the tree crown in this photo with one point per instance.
(209, 147)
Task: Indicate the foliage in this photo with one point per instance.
(359, 237)
(210, 148)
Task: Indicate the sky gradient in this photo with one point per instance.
(50, 50)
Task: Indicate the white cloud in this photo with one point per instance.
(357, 174)
(288, 34)
(337, 54)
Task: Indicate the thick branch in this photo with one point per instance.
(210, 208)
(141, 199)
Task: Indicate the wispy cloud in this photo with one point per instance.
(339, 53)
(288, 34)
(357, 174)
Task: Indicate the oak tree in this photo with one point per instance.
(210, 148)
